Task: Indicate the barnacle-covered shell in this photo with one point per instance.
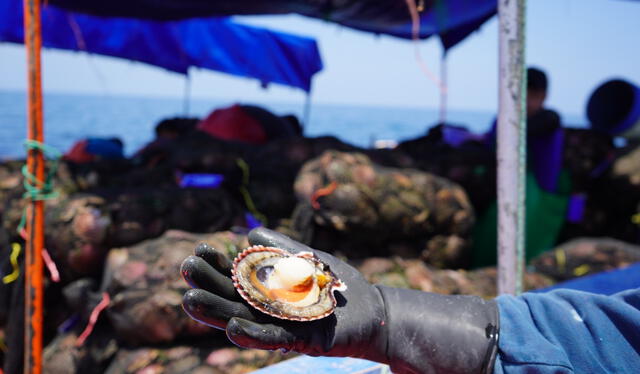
(288, 286)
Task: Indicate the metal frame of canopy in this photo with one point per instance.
(511, 139)
(511, 157)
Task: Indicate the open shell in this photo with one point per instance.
(266, 278)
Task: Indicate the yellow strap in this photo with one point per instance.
(581, 270)
(15, 252)
(561, 259)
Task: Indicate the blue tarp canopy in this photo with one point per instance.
(210, 43)
(453, 20)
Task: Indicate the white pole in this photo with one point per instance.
(511, 146)
(306, 115)
(443, 87)
(187, 94)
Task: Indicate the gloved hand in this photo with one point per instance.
(412, 331)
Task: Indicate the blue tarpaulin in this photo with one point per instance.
(606, 282)
(453, 20)
(326, 365)
(210, 43)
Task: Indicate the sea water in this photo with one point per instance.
(69, 117)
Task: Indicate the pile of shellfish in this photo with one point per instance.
(289, 286)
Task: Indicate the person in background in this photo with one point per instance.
(95, 149)
(562, 331)
(249, 124)
(537, 85)
(545, 136)
(548, 186)
(544, 132)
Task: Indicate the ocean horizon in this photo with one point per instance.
(70, 117)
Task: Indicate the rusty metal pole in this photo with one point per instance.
(35, 211)
(511, 145)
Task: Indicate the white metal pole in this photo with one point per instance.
(511, 141)
(306, 115)
(443, 87)
(187, 94)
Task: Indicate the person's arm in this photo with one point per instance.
(412, 331)
(568, 331)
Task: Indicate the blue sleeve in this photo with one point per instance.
(568, 331)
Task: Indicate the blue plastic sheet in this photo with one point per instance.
(326, 365)
(605, 283)
(200, 180)
(210, 43)
(453, 20)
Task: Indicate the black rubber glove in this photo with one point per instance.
(412, 331)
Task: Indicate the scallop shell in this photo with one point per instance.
(311, 300)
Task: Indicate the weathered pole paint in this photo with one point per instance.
(35, 213)
(511, 140)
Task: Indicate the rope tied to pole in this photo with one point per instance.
(35, 189)
(38, 191)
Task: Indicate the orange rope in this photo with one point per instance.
(324, 191)
(35, 213)
(53, 269)
(93, 318)
(77, 33)
(415, 36)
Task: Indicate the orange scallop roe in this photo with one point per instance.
(298, 293)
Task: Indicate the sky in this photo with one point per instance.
(579, 43)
